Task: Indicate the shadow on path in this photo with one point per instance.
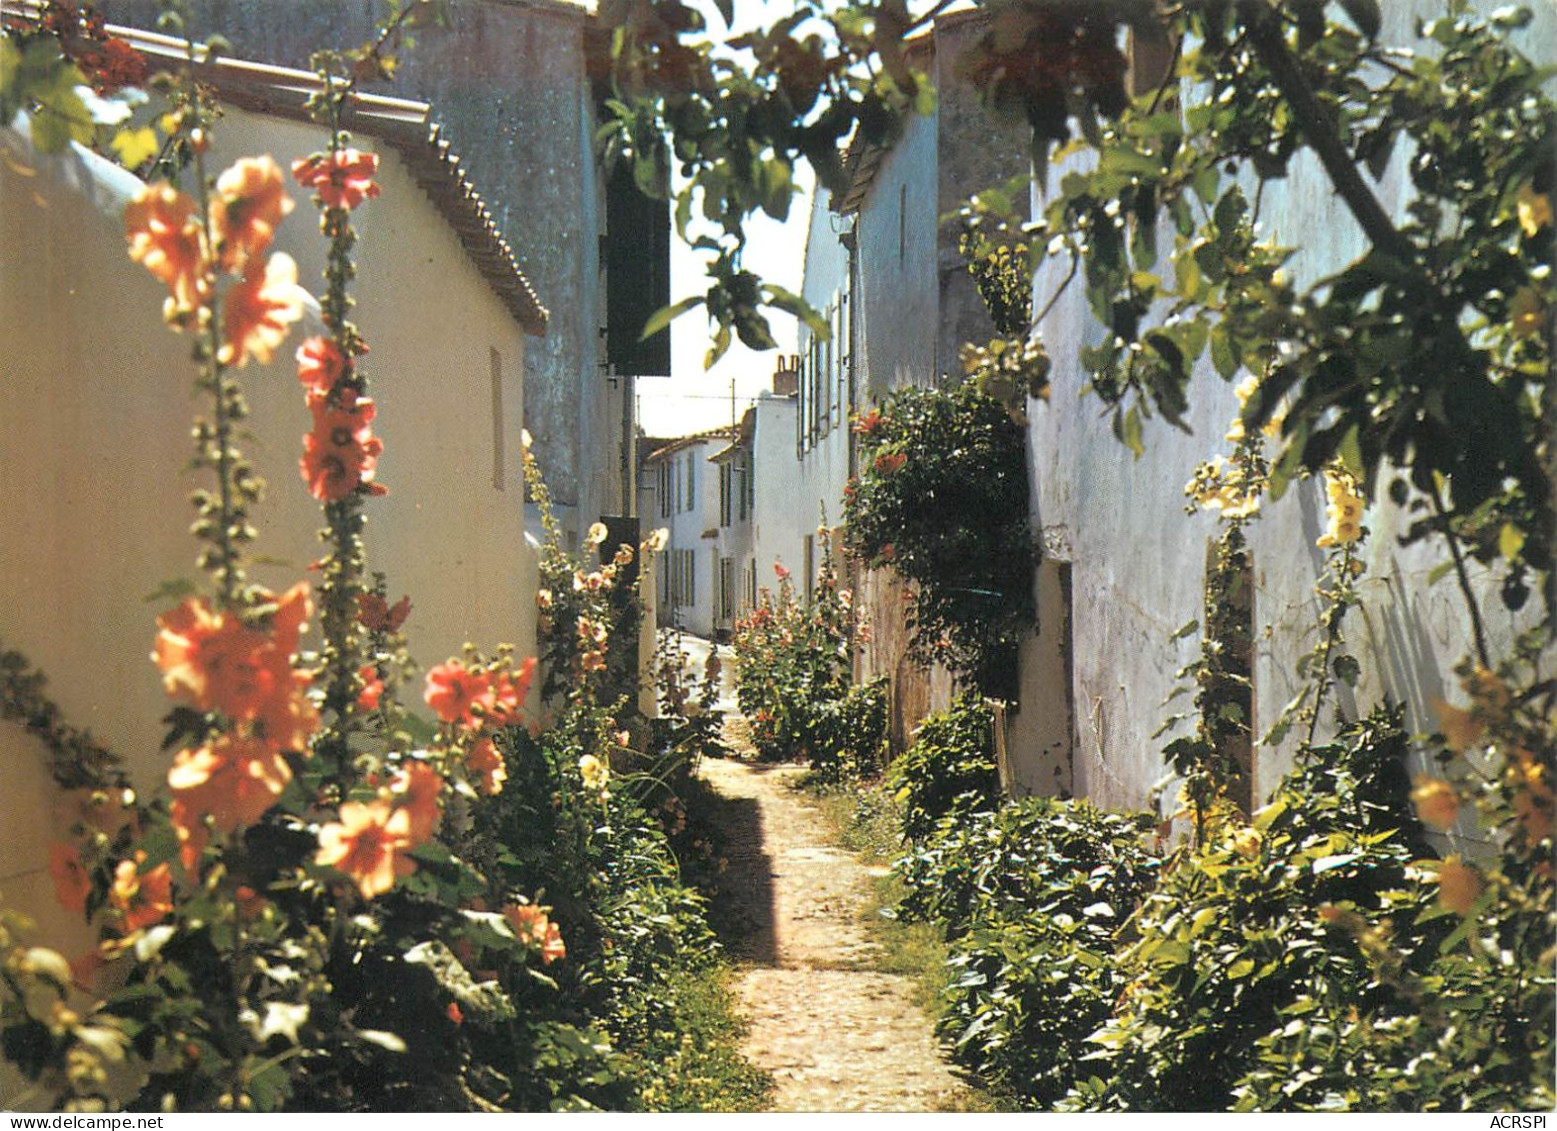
(742, 911)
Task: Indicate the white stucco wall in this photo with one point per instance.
(1117, 521)
(694, 530)
(95, 411)
(779, 523)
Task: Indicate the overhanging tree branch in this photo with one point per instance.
(1319, 130)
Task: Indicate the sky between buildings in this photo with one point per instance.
(695, 399)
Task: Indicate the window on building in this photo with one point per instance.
(726, 589)
(665, 487)
(499, 471)
(743, 486)
(691, 481)
(726, 492)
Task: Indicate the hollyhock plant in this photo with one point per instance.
(320, 366)
(71, 881)
(231, 780)
(487, 767)
(377, 615)
(343, 178)
(372, 688)
(250, 202)
(369, 844)
(166, 238)
(416, 790)
(453, 691)
(141, 898)
(260, 310)
(215, 662)
(341, 453)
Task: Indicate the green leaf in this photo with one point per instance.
(1127, 428)
(1347, 669)
(663, 317)
(173, 589)
(791, 303)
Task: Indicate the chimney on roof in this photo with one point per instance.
(786, 375)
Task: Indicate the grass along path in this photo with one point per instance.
(836, 1032)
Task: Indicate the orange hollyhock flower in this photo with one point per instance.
(233, 780)
(887, 463)
(342, 178)
(249, 203)
(455, 1013)
(250, 904)
(504, 703)
(552, 949)
(372, 688)
(193, 835)
(167, 240)
(141, 898)
(341, 453)
(214, 662)
(369, 844)
(287, 719)
(536, 930)
(416, 790)
(71, 882)
(320, 365)
(487, 764)
(1437, 804)
(453, 691)
(1458, 885)
(260, 310)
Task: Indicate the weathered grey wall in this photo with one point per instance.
(899, 300)
(976, 150)
(507, 82)
(1137, 561)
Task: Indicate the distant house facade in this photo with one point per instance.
(680, 491)
(888, 275)
(96, 402)
(735, 587)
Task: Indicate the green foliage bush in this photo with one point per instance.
(848, 734)
(1304, 963)
(794, 664)
(950, 768)
(1031, 896)
(942, 499)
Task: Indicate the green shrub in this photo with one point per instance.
(949, 768)
(941, 499)
(848, 734)
(1031, 896)
(1243, 938)
(793, 667)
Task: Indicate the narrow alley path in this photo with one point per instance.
(837, 1034)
